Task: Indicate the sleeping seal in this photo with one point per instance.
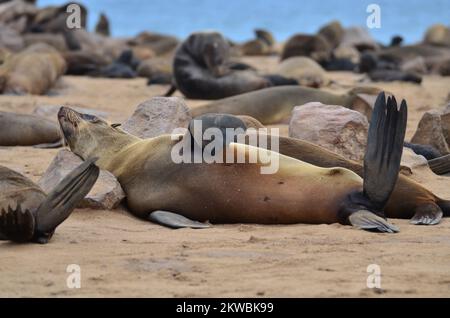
(170, 193)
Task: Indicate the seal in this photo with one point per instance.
(172, 193)
(28, 214)
(32, 71)
(201, 70)
(28, 130)
(274, 104)
(409, 199)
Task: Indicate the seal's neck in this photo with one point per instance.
(106, 147)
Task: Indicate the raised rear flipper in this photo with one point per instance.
(175, 221)
(381, 166)
(62, 200)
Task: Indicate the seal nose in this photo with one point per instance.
(62, 112)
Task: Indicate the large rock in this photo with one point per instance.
(51, 111)
(106, 193)
(358, 37)
(158, 116)
(433, 130)
(336, 128)
(438, 35)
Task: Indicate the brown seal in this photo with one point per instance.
(28, 130)
(167, 192)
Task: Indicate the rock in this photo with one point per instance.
(358, 37)
(438, 35)
(158, 116)
(430, 131)
(51, 111)
(415, 65)
(106, 193)
(412, 160)
(336, 128)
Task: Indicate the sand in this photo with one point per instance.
(120, 255)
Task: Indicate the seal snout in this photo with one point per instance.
(66, 114)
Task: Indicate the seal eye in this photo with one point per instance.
(115, 125)
(91, 118)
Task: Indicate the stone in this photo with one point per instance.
(158, 116)
(438, 34)
(358, 37)
(333, 127)
(106, 193)
(430, 131)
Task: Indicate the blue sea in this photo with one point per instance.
(237, 18)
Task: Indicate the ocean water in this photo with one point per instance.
(238, 18)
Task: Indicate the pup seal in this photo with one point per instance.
(272, 105)
(202, 71)
(28, 130)
(27, 214)
(163, 191)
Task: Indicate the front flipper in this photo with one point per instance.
(53, 145)
(428, 214)
(16, 225)
(369, 221)
(175, 221)
(381, 167)
(62, 200)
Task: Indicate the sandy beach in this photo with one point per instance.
(120, 255)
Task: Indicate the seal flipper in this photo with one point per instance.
(62, 200)
(16, 225)
(367, 220)
(381, 167)
(427, 214)
(440, 165)
(172, 89)
(175, 221)
(56, 144)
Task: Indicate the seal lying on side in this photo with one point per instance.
(272, 105)
(32, 71)
(28, 130)
(202, 71)
(161, 190)
(408, 200)
(28, 214)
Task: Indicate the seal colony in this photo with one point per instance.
(298, 193)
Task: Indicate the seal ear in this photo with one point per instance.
(62, 200)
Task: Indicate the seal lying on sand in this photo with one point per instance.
(201, 70)
(32, 71)
(163, 191)
(272, 105)
(408, 200)
(28, 214)
(28, 130)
